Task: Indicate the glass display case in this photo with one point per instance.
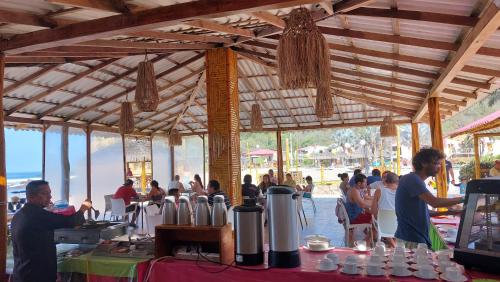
(478, 241)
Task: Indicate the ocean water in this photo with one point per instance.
(19, 176)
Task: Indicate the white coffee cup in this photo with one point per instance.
(360, 245)
(326, 264)
(351, 259)
(426, 271)
(443, 264)
(422, 260)
(351, 267)
(333, 257)
(421, 246)
(452, 273)
(399, 268)
(397, 259)
(380, 250)
(375, 259)
(373, 268)
(399, 250)
(443, 257)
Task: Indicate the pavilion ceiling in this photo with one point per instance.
(75, 61)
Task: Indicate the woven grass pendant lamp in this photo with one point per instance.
(175, 138)
(256, 122)
(388, 128)
(304, 59)
(146, 92)
(126, 118)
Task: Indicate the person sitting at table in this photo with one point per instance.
(309, 187)
(351, 181)
(358, 208)
(385, 198)
(344, 185)
(266, 183)
(248, 189)
(213, 189)
(412, 198)
(289, 181)
(197, 185)
(32, 232)
(14, 204)
(156, 194)
(128, 193)
(374, 177)
(272, 178)
(176, 184)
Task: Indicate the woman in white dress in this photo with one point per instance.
(385, 197)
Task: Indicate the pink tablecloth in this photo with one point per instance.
(175, 270)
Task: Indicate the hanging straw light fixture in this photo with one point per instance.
(146, 92)
(175, 138)
(256, 122)
(126, 118)
(388, 128)
(304, 59)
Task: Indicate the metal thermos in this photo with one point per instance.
(169, 211)
(184, 211)
(249, 235)
(283, 227)
(202, 212)
(219, 211)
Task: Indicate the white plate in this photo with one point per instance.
(405, 274)
(462, 278)
(324, 250)
(327, 270)
(355, 249)
(348, 273)
(433, 276)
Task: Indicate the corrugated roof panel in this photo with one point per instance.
(52, 78)
(455, 7)
(430, 31)
(18, 73)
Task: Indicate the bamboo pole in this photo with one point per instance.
(65, 164)
(88, 144)
(477, 160)
(151, 154)
(398, 151)
(280, 156)
(204, 162)
(3, 178)
(415, 141)
(44, 138)
(437, 143)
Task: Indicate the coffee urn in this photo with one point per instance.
(169, 211)
(184, 211)
(218, 215)
(202, 212)
(283, 227)
(248, 226)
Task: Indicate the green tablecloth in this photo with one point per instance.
(100, 265)
(437, 241)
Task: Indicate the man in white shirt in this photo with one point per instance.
(176, 184)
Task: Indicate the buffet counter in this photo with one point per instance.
(179, 270)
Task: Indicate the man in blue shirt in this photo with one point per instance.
(374, 177)
(412, 198)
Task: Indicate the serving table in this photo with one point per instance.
(173, 270)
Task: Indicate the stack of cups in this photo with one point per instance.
(351, 265)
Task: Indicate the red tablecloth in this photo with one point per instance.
(176, 270)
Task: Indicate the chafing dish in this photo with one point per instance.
(90, 232)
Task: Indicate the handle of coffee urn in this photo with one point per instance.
(295, 196)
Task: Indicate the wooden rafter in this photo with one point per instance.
(487, 25)
(269, 18)
(115, 6)
(142, 20)
(277, 90)
(380, 87)
(146, 45)
(15, 17)
(349, 5)
(183, 37)
(407, 101)
(372, 103)
(56, 87)
(29, 79)
(339, 110)
(228, 29)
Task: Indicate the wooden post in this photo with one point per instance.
(477, 159)
(204, 162)
(124, 159)
(172, 163)
(415, 142)
(88, 133)
(280, 156)
(437, 143)
(398, 151)
(223, 108)
(65, 164)
(3, 179)
(44, 138)
(151, 152)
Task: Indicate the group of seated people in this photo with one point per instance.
(268, 180)
(407, 196)
(156, 194)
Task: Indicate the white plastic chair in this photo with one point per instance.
(107, 205)
(153, 218)
(309, 196)
(118, 208)
(385, 224)
(348, 226)
(300, 208)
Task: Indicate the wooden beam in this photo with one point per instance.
(372, 103)
(192, 97)
(482, 71)
(182, 37)
(419, 95)
(137, 21)
(24, 18)
(269, 18)
(146, 45)
(56, 88)
(338, 108)
(349, 5)
(3, 178)
(115, 6)
(410, 103)
(381, 78)
(229, 29)
(28, 79)
(415, 16)
(327, 6)
(459, 93)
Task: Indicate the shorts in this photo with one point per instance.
(362, 219)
